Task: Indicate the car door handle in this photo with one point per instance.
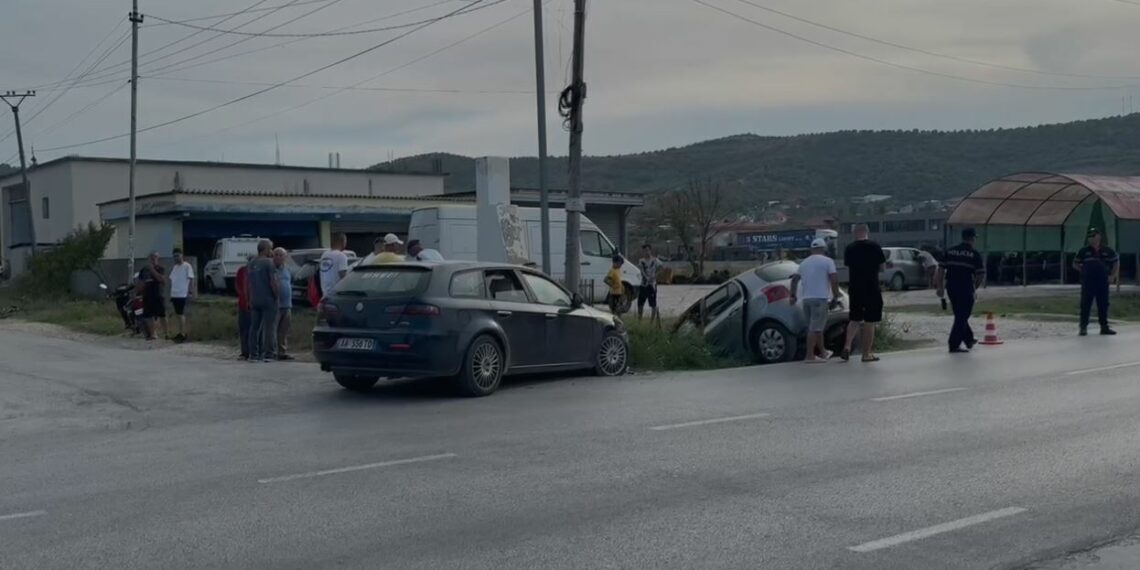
(505, 313)
(551, 315)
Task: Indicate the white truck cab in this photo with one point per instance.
(453, 231)
(229, 254)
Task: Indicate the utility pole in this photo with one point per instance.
(540, 80)
(135, 19)
(573, 97)
(19, 98)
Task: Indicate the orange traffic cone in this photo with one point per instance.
(991, 337)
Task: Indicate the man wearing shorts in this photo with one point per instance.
(647, 293)
(817, 283)
(181, 290)
(152, 280)
(864, 260)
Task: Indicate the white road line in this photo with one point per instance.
(917, 394)
(1102, 368)
(937, 529)
(357, 468)
(22, 515)
(712, 421)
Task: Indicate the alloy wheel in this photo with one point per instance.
(771, 344)
(486, 365)
(612, 356)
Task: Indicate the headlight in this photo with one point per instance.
(618, 324)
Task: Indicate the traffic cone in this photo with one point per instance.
(991, 337)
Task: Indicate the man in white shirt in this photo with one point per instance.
(333, 264)
(820, 281)
(417, 252)
(181, 290)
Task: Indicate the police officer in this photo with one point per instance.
(959, 274)
(1098, 264)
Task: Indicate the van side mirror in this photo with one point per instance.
(577, 301)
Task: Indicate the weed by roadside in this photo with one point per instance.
(654, 348)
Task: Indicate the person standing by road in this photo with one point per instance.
(333, 264)
(1098, 265)
(181, 291)
(613, 281)
(284, 303)
(263, 294)
(864, 260)
(417, 252)
(820, 281)
(152, 279)
(650, 266)
(960, 275)
(241, 283)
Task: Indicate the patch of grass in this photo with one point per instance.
(1124, 306)
(653, 348)
(888, 338)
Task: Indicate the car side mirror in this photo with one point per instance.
(576, 301)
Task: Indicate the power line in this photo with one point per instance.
(904, 66)
(928, 52)
(293, 41)
(88, 107)
(203, 18)
(402, 66)
(282, 83)
(327, 34)
(356, 88)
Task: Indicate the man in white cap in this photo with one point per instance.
(820, 281)
(390, 251)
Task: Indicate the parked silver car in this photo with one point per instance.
(906, 268)
(750, 315)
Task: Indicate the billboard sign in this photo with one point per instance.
(771, 241)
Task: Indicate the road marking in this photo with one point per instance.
(22, 515)
(712, 421)
(917, 394)
(1102, 368)
(357, 468)
(934, 530)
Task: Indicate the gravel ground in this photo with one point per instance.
(210, 350)
(935, 328)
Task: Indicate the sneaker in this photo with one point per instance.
(1107, 331)
(970, 344)
(959, 350)
(285, 357)
(1084, 332)
(845, 355)
(243, 357)
(827, 354)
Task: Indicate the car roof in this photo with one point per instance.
(454, 266)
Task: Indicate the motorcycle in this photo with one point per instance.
(129, 305)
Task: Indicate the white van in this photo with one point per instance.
(454, 232)
(229, 254)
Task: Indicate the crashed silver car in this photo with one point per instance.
(750, 316)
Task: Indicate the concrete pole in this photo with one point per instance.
(574, 204)
(540, 92)
(135, 19)
(23, 162)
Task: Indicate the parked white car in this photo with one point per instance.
(229, 254)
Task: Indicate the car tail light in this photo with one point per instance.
(414, 310)
(327, 310)
(776, 293)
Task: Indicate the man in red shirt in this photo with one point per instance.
(243, 309)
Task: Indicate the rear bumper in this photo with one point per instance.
(425, 355)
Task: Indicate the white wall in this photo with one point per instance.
(151, 234)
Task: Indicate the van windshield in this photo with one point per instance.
(373, 280)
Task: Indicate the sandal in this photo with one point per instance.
(845, 355)
(871, 359)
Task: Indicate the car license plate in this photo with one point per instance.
(355, 343)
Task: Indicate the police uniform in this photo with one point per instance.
(1096, 266)
(962, 264)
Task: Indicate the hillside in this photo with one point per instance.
(910, 165)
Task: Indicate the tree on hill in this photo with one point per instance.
(693, 212)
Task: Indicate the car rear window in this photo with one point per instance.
(776, 271)
(378, 280)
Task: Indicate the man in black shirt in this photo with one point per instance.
(960, 274)
(152, 281)
(864, 260)
(1098, 265)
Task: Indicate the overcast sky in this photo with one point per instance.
(661, 73)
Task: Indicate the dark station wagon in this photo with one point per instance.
(474, 322)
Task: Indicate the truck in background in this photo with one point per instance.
(453, 231)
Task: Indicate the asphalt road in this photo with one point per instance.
(1004, 458)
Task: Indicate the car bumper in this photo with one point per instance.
(394, 355)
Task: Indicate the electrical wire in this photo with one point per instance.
(356, 88)
(384, 73)
(88, 107)
(293, 41)
(904, 66)
(279, 84)
(327, 34)
(928, 52)
(204, 18)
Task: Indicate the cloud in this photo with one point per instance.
(660, 72)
